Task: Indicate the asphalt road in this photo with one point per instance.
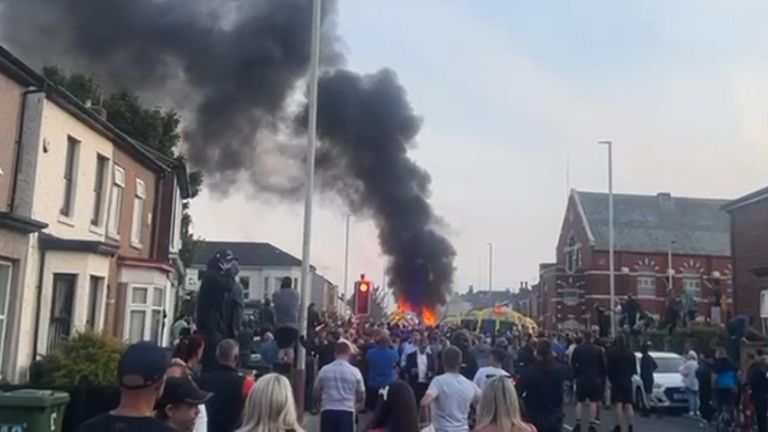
(668, 423)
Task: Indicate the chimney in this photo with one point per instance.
(664, 196)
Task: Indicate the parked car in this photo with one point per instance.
(668, 390)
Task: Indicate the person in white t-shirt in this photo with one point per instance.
(340, 388)
(485, 374)
(450, 395)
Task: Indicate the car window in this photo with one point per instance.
(668, 364)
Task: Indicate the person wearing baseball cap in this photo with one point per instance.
(141, 377)
(180, 403)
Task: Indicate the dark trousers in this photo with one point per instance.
(371, 397)
(761, 406)
(705, 403)
(208, 361)
(337, 421)
(419, 389)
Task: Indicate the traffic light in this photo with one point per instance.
(363, 296)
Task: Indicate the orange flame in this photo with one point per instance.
(428, 316)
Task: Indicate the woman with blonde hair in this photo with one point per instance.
(270, 407)
(499, 408)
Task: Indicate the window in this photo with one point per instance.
(572, 255)
(146, 314)
(92, 320)
(646, 286)
(99, 185)
(5, 293)
(245, 282)
(570, 296)
(70, 177)
(138, 214)
(62, 300)
(116, 201)
(693, 285)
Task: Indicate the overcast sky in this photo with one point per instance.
(508, 89)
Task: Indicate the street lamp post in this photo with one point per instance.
(346, 260)
(300, 375)
(611, 264)
(490, 266)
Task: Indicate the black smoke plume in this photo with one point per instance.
(234, 66)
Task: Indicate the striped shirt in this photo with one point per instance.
(339, 383)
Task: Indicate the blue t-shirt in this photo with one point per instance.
(381, 366)
(725, 373)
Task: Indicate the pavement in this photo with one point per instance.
(669, 423)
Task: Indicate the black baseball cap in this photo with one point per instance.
(142, 365)
(182, 390)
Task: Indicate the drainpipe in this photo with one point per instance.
(19, 137)
(38, 304)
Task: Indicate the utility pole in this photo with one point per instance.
(299, 377)
(611, 264)
(346, 262)
(490, 266)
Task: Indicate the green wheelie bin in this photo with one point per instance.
(31, 410)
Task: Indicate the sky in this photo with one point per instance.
(514, 95)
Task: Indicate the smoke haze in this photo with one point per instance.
(234, 67)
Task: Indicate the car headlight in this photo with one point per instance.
(657, 386)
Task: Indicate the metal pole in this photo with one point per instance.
(311, 138)
(611, 262)
(490, 267)
(346, 263)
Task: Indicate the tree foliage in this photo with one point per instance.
(155, 127)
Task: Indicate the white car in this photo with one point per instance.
(668, 389)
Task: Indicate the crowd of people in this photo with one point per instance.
(406, 377)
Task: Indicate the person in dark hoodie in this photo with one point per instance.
(469, 364)
(621, 367)
(526, 355)
(647, 367)
(219, 305)
(704, 375)
(541, 388)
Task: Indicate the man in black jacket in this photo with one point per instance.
(229, 389)
(420, 368)
(219, 304)
(589, 367)
(541, 388)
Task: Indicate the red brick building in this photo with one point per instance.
(647, 228)
(749, 240)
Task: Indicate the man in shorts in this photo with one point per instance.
(286, 302)
(589, 367)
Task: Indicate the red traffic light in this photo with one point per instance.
(362, 297)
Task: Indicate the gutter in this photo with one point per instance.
(19, 138)
(38, 304)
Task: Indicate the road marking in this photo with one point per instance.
(568, 428)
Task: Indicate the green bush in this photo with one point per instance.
(88, 358)
(697, 338)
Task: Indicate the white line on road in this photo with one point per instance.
(568, 428)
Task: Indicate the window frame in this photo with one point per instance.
(137, 220)
(148, 308)
(688, 279)
(69, 177)
(100, 182)
(639, 286)
(95, 303)
(5, 310)
(116, 198)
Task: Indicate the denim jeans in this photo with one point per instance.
(693, 401)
